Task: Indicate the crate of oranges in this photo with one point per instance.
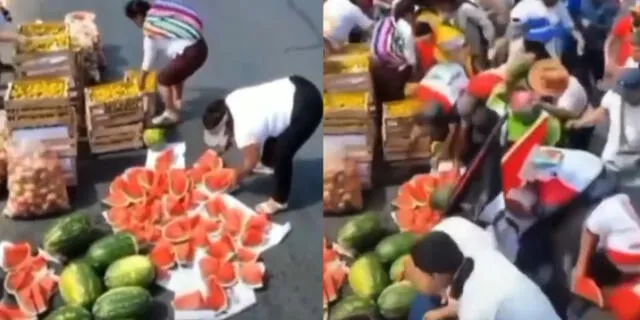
(113, 104)
(46, 51)
(32, 103)
(347, 72)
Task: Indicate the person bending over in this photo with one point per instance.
(484, 285)
(269, 123)
(175, 30)
(340, 18)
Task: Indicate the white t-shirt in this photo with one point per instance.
(468, 236)
(340, 17)
(631, 63)
(497, 290)
(170, 48)
(534, 9)
(405, 32)
(448, 79)
(261, 111)
(574, 98)
(617, 224)
(612, 101)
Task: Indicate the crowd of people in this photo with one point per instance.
(475, 62)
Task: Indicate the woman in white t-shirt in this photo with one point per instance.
(339, 18)
(621, 106)
(481, 286)
(269, 123)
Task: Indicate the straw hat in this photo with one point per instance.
(548, 77)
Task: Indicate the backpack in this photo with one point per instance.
(386, 45)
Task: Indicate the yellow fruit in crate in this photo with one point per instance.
(39, 89)
(45, 44)
(113, 91)
(42, 29)
(151, 81)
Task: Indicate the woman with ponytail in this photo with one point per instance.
(481, 286)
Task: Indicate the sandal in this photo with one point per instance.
(270, 207)
(166, 118)
(262, 169)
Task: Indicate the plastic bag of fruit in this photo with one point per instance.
(3, 141)
(36, 181)
(342, 188)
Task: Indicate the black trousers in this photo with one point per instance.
(278, 152)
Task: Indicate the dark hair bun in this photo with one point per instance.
(135, 8)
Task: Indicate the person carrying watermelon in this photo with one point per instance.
(481, 284)
(269, 122)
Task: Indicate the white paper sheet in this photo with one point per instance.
(179, 149)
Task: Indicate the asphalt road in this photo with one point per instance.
(249, 42)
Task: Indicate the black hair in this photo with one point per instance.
(404, 8)
(214, 113)
(135, 8)
(437, 253)
(422, 29)
(360, 317)
(537, 48)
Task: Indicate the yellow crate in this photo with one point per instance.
(403, 108)
(357, 48)
(112, 91)
(152, 79)
(349, 63)
(42, 29)
(55, 43)
(37, 89)
(335, 101)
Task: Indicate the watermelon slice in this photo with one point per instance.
(177, 230)
(172, 206)
(227, 274)
(118, 199)
(233, 221)
(142, 176)
(246, 255)
(32, 299)
(329, 288)
(179, 183)
(189, 301)
(197, 173)
(185, 252)
(118, 184)
(118, 217)
(217, 299)
(259, 222)
(13, 312)
(216, 206)
(14, 255)
(220, 180)
(198, 196)
(162, 255)
(205, 228)
(589, 290)
(252, 274)
(405, 218)
(209, 266)
(19, 280)
(224, 248)
(160, 185)
(165, 161)
(253, 238)
(209, 160)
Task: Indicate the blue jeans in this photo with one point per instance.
(423, 304)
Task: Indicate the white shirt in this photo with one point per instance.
(340, 17)
(171, 48)
(617, 224)
(261, 111)
(558, 14)
(449, 79)
(574, 98)
(631, 63)
(469, 237)
(497, 290)
(613, 102)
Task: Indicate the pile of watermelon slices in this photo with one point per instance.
(413, 202)
(29, 279)
(180, 212)
(334, 273)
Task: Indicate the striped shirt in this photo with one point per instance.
(393, 43)
(172, 19)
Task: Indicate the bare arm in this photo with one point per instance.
(251, 156)
(8, 36)
(611, 49)
(593, 117)
(558, 112)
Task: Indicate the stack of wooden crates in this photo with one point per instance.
(117, 112)
(349, 127)
(46, 94)
(397, 124)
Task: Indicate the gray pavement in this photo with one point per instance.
(249, 42)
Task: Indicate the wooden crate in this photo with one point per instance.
(118, 138)
(150, 92)
(47, 56)
(43, 29)
(348, 72)
(53, 109)
(397, 117)
(346, 105)
(123, 107)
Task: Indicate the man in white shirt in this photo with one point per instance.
(482, 286)
(340, 17)
(269, 122)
